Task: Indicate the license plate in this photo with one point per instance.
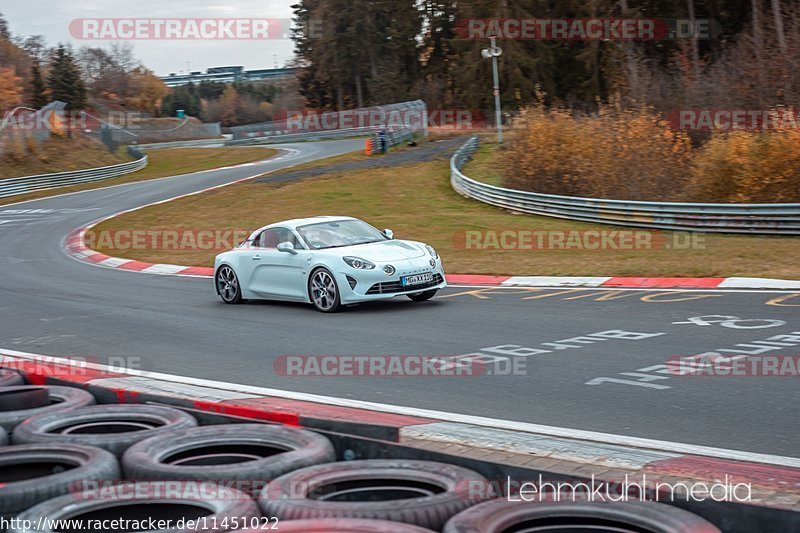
(417, 279)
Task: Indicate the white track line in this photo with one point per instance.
(605, 438)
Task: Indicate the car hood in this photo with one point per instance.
(381, 252)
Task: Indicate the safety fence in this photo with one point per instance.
(313, 125)
(26, 184)
(756, 219)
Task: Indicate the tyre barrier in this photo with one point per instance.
(62, 399)
(34, 473)
(9, 378)
(145, 501)
(111, 427)
(498, 516)
(421, 493)
(23, 397)
(64, 464)
(248, 453)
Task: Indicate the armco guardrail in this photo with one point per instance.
(304, 136)
(196, 143)
(26, 184)
(755, 219)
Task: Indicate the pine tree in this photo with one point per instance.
(5, 33)
(64, 80)
(38, 96)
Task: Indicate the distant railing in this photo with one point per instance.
(299, 137)
(26, 184)
(311, 125)
(756, 219)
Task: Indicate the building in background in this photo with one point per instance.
(227, 75)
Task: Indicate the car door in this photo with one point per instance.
(277, 274)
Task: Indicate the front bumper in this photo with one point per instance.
(377, 285)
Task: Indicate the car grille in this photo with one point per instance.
(389, 287)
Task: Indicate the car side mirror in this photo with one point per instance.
(389, 233)
(287, 247)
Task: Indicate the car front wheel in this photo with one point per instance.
(422, 296)
(228, 285)
(324, 292)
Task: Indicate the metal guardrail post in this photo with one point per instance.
(751, 219)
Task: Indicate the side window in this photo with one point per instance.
(271, 238)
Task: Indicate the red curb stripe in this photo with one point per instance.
(326, 412)
(664, 282)
(783, 478)
(471, 279)
(135, 265)
(197, 271)
(258, 412)
(97, 257)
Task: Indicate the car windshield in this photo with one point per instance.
(339, 233)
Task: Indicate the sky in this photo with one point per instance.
(52, 19)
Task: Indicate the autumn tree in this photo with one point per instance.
(10, 88)
(229, 103)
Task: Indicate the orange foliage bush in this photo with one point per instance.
(748, 167)
(625, 154)
(634, 155)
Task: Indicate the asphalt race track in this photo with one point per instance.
(587, 359)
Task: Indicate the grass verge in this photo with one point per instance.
(416, 201)
(164, 162)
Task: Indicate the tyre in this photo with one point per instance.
(34, 473)
(9, 378)
(251, 454)
(501, 515)
(323, 291)
(111, 427)
(343, 525)
(228, 287)
(421, 493)
(62, 399)
(422, 296)
(223, 508)
(23, 397)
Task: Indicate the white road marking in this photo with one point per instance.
(605, 438)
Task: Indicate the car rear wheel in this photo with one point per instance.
(422, 296)
(324, 292)
(228, 285)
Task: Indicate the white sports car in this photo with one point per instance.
(327, 261)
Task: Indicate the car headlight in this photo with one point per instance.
(432, 251)
(358, 263)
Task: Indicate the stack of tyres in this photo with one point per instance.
(19, 403)
(34, 473)
(502, 515)
(72, 459)
(421, 493)
(175, 508)
(111, 427)
(245, 455)
(9, 378)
